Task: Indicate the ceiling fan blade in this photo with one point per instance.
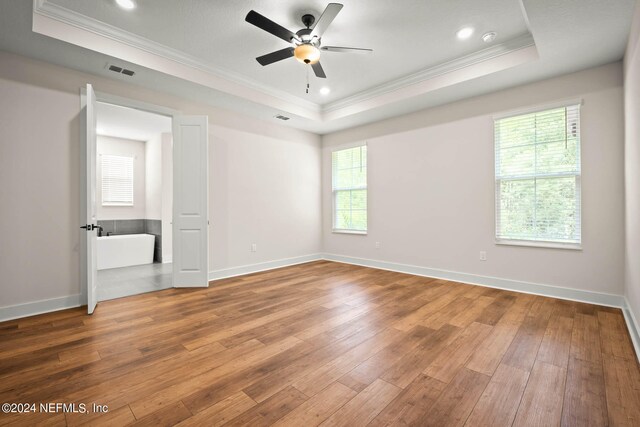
(346, 49)
(326, 19)
(269, 26)
(276, 56)
(317, 69)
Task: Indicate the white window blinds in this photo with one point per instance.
(349, 183)
(538, 176)
(117, 180)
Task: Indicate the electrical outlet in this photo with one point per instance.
(377, 245)
(254, 247)
(483, 256)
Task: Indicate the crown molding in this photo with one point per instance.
(78, 20)
(134, 48)
(521, 42)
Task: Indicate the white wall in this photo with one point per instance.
(265, 184)
(632, 167)
(153, 178)
(39, 171)
(264, 191)
(39, 194)
(431, 188)
(129, 148)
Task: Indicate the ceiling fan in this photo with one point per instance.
(306, 42)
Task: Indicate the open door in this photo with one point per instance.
(88, 143)
(190, 201)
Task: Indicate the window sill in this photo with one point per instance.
(361, 233)
(536, 244)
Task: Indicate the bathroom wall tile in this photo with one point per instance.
(129, 226)
(157, 249)
(108, 225)
(153, 226)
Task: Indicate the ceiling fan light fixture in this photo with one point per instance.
(304, 45)
(307, 53)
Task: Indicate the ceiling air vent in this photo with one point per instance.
(120, 70)
(281, 117)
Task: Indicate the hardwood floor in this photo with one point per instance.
(326, 344)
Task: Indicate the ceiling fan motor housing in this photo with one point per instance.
(305, 36)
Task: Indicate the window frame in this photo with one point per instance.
(334, 192)
(539, 243)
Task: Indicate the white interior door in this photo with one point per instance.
(190, 201)
(89, 271)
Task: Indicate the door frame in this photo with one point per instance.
(120, 101)
(108, 98)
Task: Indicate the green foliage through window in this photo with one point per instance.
(349, 182)
(538, 176)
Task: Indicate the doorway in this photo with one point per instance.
(189, 225)
(134, 186)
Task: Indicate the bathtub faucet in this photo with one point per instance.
(99, 230)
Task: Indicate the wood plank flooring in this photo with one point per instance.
(326, 344)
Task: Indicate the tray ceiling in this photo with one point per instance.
(417, 35)
(205, 51)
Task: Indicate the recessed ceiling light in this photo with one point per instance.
(325, 91)
(464, 33)
(126, 4)
(489, 37)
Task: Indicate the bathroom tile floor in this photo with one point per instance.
(121, 282)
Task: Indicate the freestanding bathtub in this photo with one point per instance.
(125, 250)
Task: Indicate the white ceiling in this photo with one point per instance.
(204, 51)
(129, 123)
(405, 39)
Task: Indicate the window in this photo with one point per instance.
(538, 178)
(117, 180)
(349, 183)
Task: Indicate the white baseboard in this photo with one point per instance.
(633, 326)
(590, 297)
(40, 307)
(55, 304)
(262, 266)
(619, 301)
